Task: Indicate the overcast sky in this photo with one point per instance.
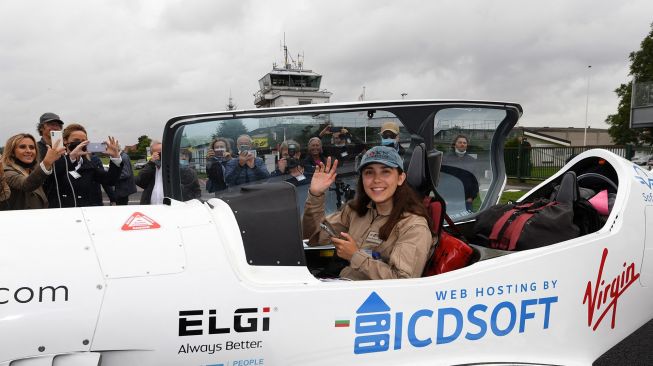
(124, 67)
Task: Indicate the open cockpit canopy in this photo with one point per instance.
(287, 143)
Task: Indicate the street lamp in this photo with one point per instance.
(587, 103)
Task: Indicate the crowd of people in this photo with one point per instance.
(61, 173)
(383, 232)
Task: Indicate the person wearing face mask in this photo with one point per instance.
(246, 167)
(462, 165)
(216, 161)
(384, 232)
(390, 137)
(24, 173)
(76, 179)
(298, 175)
(190, 186)
(150, 177)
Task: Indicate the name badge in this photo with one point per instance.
(373, 237)
(300, 177)
(343, 154)
(74, 174)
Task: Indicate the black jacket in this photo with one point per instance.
(190, 186)
(125, 185)
(61, 184)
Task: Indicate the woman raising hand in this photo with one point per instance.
(384, 232)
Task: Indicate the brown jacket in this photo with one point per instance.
(403, 255)
(26, 190)
(5, 193)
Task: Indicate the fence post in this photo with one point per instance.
(519, 150)
(629, 151)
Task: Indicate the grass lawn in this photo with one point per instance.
(510, 196)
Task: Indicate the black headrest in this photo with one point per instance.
(568, 190)
(416, 171)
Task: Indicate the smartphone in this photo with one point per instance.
(335, 129)
(253, 152)
(56, 135)
(219, 153)
(329, 229)
(96, 147)
(148, 152)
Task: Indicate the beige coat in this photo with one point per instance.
(26, 189)
(403, 255)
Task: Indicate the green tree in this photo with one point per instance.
(141, 148)
(230, 129)
(641, 69)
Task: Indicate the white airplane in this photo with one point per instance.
(227, 280)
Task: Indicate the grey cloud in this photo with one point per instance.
(126, 67)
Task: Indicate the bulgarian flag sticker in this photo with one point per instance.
(342, 324)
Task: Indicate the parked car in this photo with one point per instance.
(641, 159)
(140, 164)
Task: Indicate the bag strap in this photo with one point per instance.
(500, 227)
(506, 235)
(458, 234)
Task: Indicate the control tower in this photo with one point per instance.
(290, 85)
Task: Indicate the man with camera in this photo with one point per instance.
(247, 167)
(288, 150)
(151, 177)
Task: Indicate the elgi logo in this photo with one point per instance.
(375, 331)
(191, 322)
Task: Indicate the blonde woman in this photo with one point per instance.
(24, 174)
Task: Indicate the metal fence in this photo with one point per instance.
(539, 163)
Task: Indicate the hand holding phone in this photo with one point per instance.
(54, 136)
(329, 229)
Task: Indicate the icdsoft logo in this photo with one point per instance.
(642, 177)
(378, 328)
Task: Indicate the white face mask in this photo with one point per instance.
(460, 152)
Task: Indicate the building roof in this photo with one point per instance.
(542, 136)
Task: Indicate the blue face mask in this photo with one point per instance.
(183, 162)
(389, 142)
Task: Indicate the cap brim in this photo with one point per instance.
(382, 162)
(53, 120)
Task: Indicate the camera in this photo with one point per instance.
(292, 150)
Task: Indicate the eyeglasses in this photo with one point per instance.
(388, 135)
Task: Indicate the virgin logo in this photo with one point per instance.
(601, 297)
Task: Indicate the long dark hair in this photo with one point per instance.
(405, 200)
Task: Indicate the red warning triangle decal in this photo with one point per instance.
(138, 221)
